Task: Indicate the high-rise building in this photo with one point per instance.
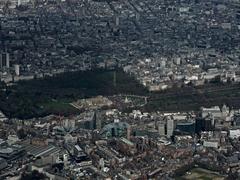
(17, 69)
(117, 20)
(98, 119)
(162, 129)
(4, 60)
(199, 126)
(170, 127)
(7, 60)
(186, 127)
(129, 131)
(137, 17)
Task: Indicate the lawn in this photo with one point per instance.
(58, 107)
(201, 174)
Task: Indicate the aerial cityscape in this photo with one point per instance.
(120, 89)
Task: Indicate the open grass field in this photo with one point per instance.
(201, 174)
(58, 107)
